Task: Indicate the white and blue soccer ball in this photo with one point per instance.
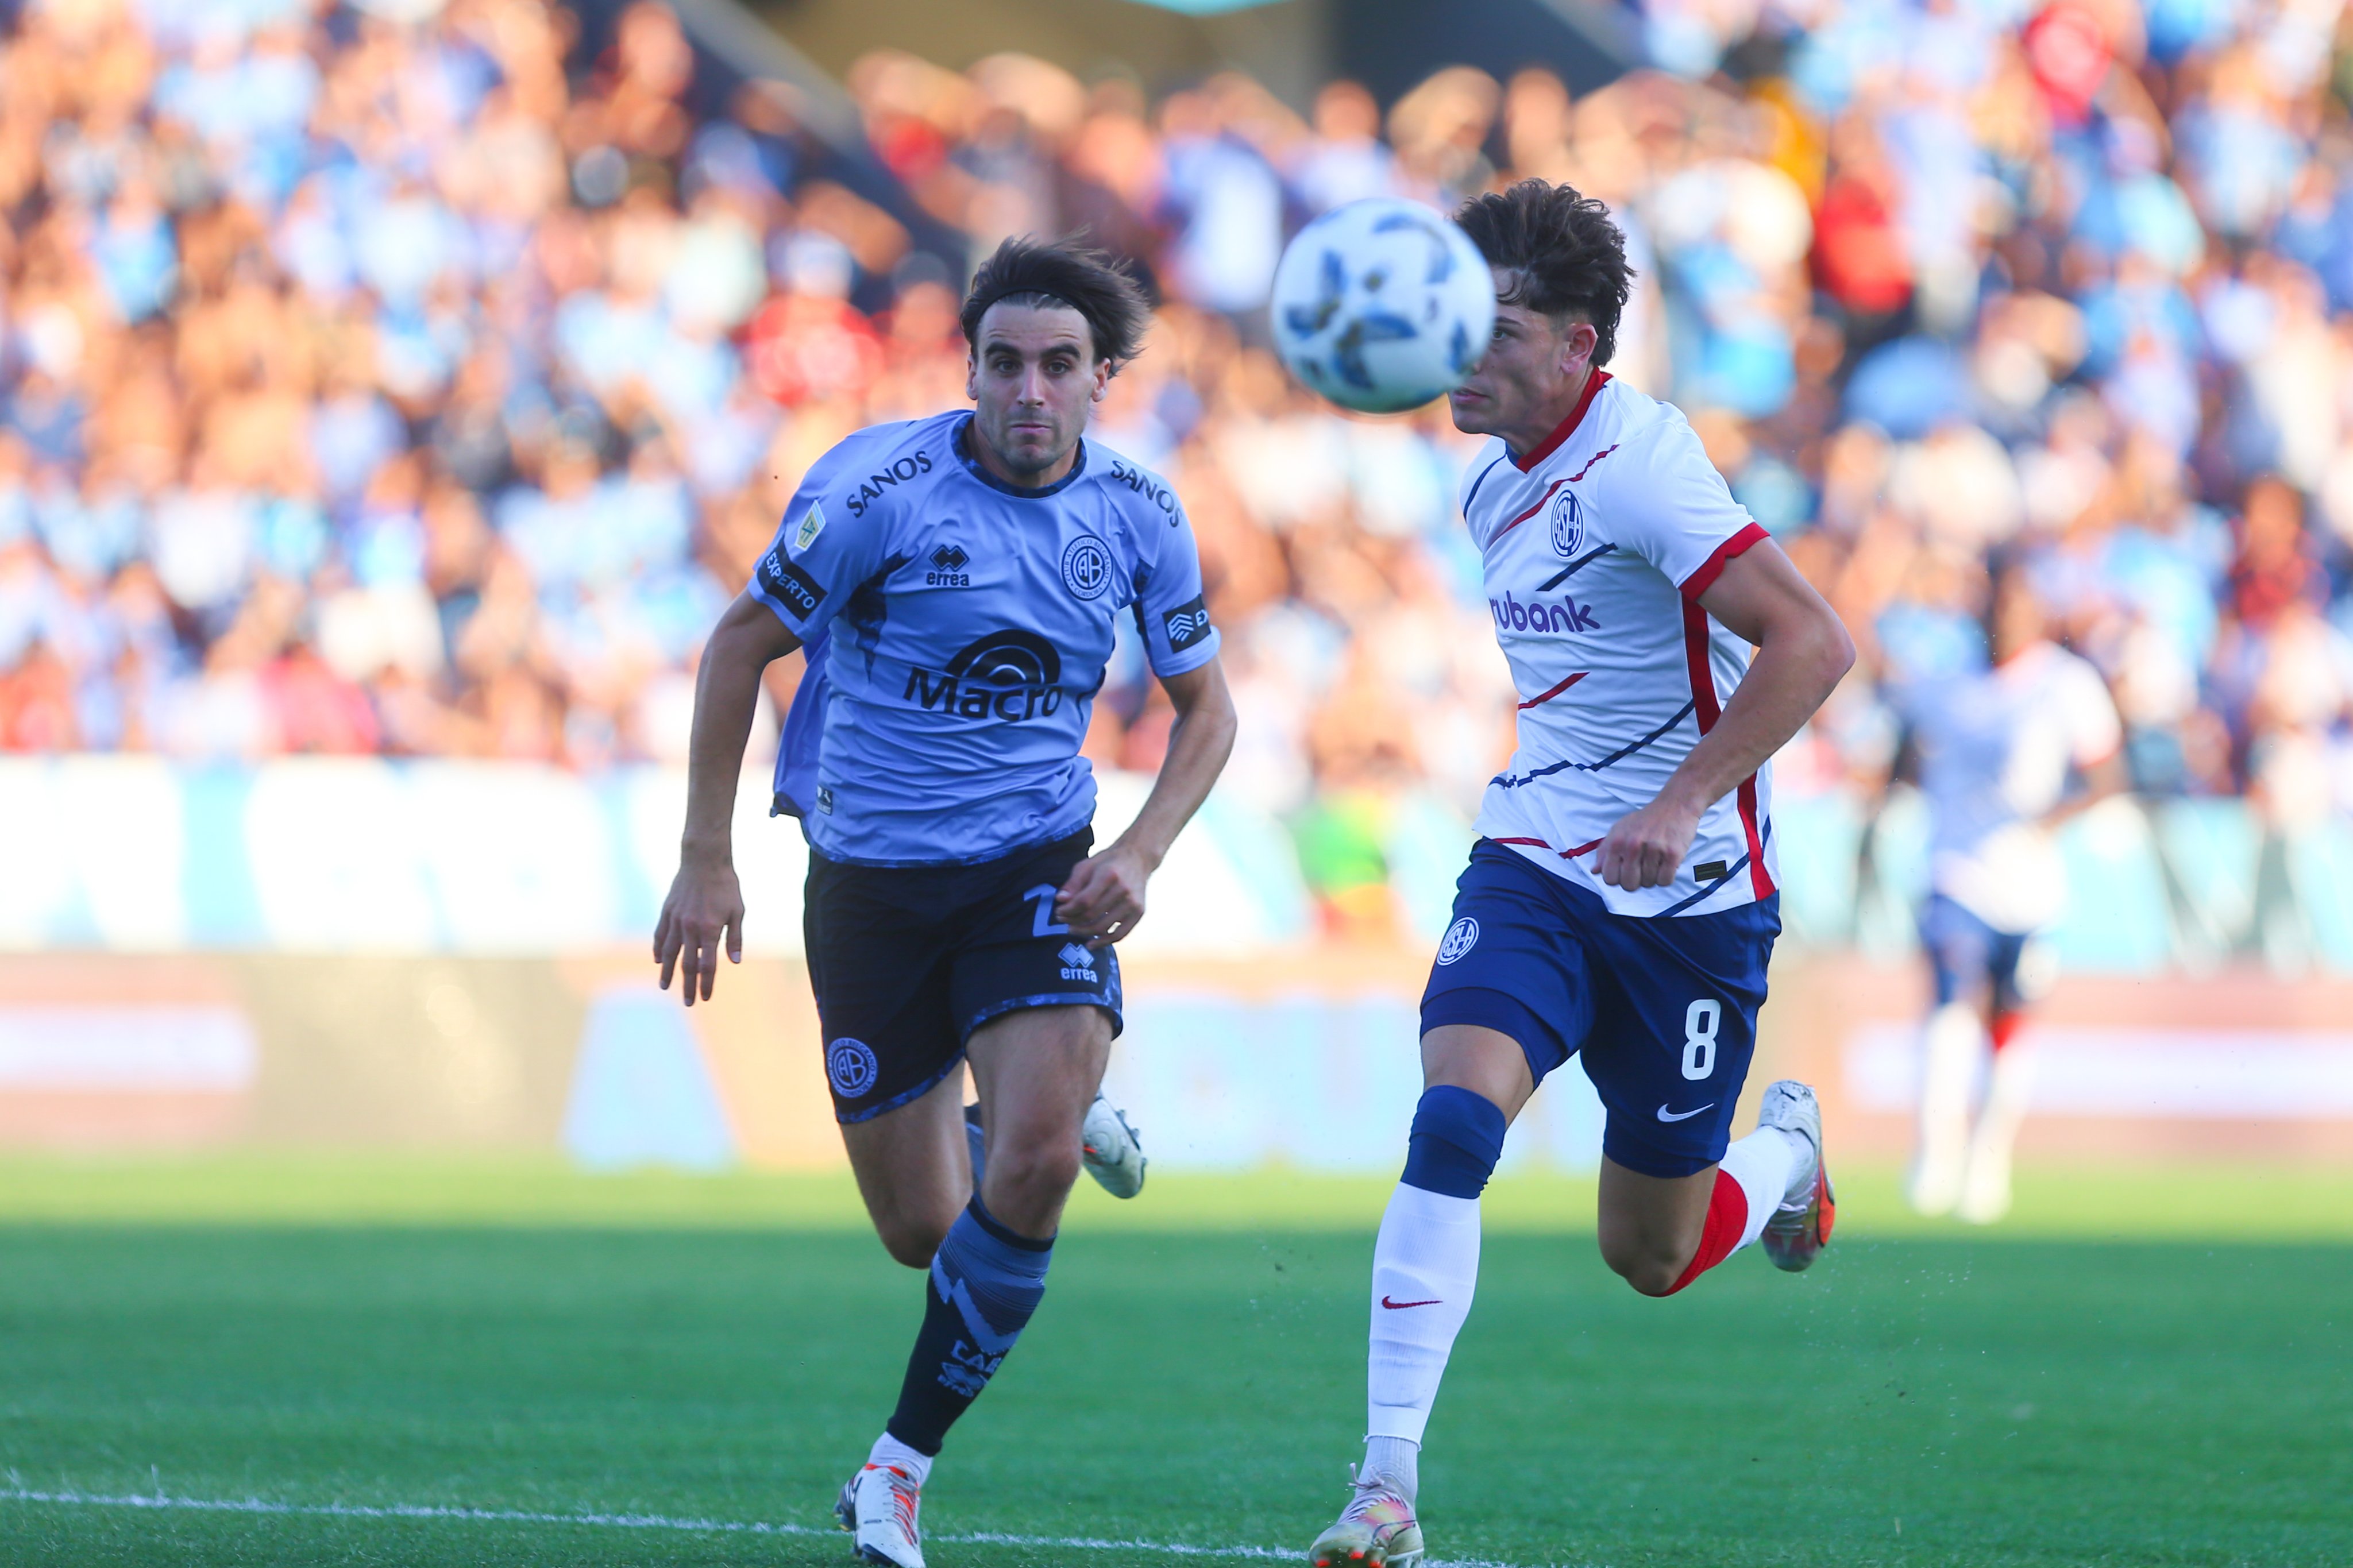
(1382, 305)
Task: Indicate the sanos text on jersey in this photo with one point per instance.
(1144, 484)
(1535, 616)
(900, 472)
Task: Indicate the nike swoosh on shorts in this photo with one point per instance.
(1684, 1115)
(1400, 1306)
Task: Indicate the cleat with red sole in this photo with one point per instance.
(1800, 1227)
(1377, 1528)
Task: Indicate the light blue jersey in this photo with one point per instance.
(956, 630)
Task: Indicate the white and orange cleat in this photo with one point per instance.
(1376, 1528)
(1110, 1149)
(879, 1506)
(1800, 1227)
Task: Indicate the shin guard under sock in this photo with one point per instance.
(1426, 1261)
(985, 1282)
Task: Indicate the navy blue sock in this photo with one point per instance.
(1457, 1136)
(985, 1283)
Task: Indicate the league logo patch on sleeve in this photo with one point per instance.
(1187, 624)
(788, 585)
(812, 524)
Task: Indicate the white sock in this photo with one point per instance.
(1763, 1163)
(1395, 1460)
(1425, 1268)
(1953, 1046)
(891, 1453)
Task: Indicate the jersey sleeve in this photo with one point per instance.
(2094, 730)
(1170, 608)
(816, 558)
(1671, 507)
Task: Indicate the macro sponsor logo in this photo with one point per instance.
(1535, 616)
(870, 489)
(786, 582)
(1144, 484)
(1010, 675)
(948, 564)
(1187, 624)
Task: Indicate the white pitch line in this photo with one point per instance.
(644, 1521)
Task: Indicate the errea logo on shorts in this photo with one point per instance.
(851, 1066)
(1461, 938)
(1078, 963)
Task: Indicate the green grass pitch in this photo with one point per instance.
(2092, 1387)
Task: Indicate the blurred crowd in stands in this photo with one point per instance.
(411, 378)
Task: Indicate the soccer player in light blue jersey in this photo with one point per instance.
(953, 584)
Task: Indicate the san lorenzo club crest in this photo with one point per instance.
(1461, 938)
(1568, 520)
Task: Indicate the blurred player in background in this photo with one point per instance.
(954, 584)
(2003, 754)
(1620, 902)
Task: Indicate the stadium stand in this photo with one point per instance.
(416, 380)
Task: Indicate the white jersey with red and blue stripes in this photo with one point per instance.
(1597, 546)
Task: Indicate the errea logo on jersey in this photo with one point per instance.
(948, 564)
(1535, 616)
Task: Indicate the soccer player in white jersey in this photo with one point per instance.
(1620, 902)
(954, 583)
(2004, 754)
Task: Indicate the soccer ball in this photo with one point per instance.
(1382, 305)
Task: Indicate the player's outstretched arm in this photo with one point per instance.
(704, 902)
(1105, 897)
(1802, 652)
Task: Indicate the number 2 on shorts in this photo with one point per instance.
(1043, 923)
(1699, 1036)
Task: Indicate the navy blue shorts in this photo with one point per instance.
(908, 961)
(1968, 954)
(1663, 1010)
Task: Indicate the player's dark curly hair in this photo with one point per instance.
(1570, 257)
(1064, 272)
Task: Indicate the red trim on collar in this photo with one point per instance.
(1567, 427)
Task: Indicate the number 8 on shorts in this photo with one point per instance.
(1699, 1037)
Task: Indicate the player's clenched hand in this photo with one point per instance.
(704, 905)
(1646, 847)
(1105, 897)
